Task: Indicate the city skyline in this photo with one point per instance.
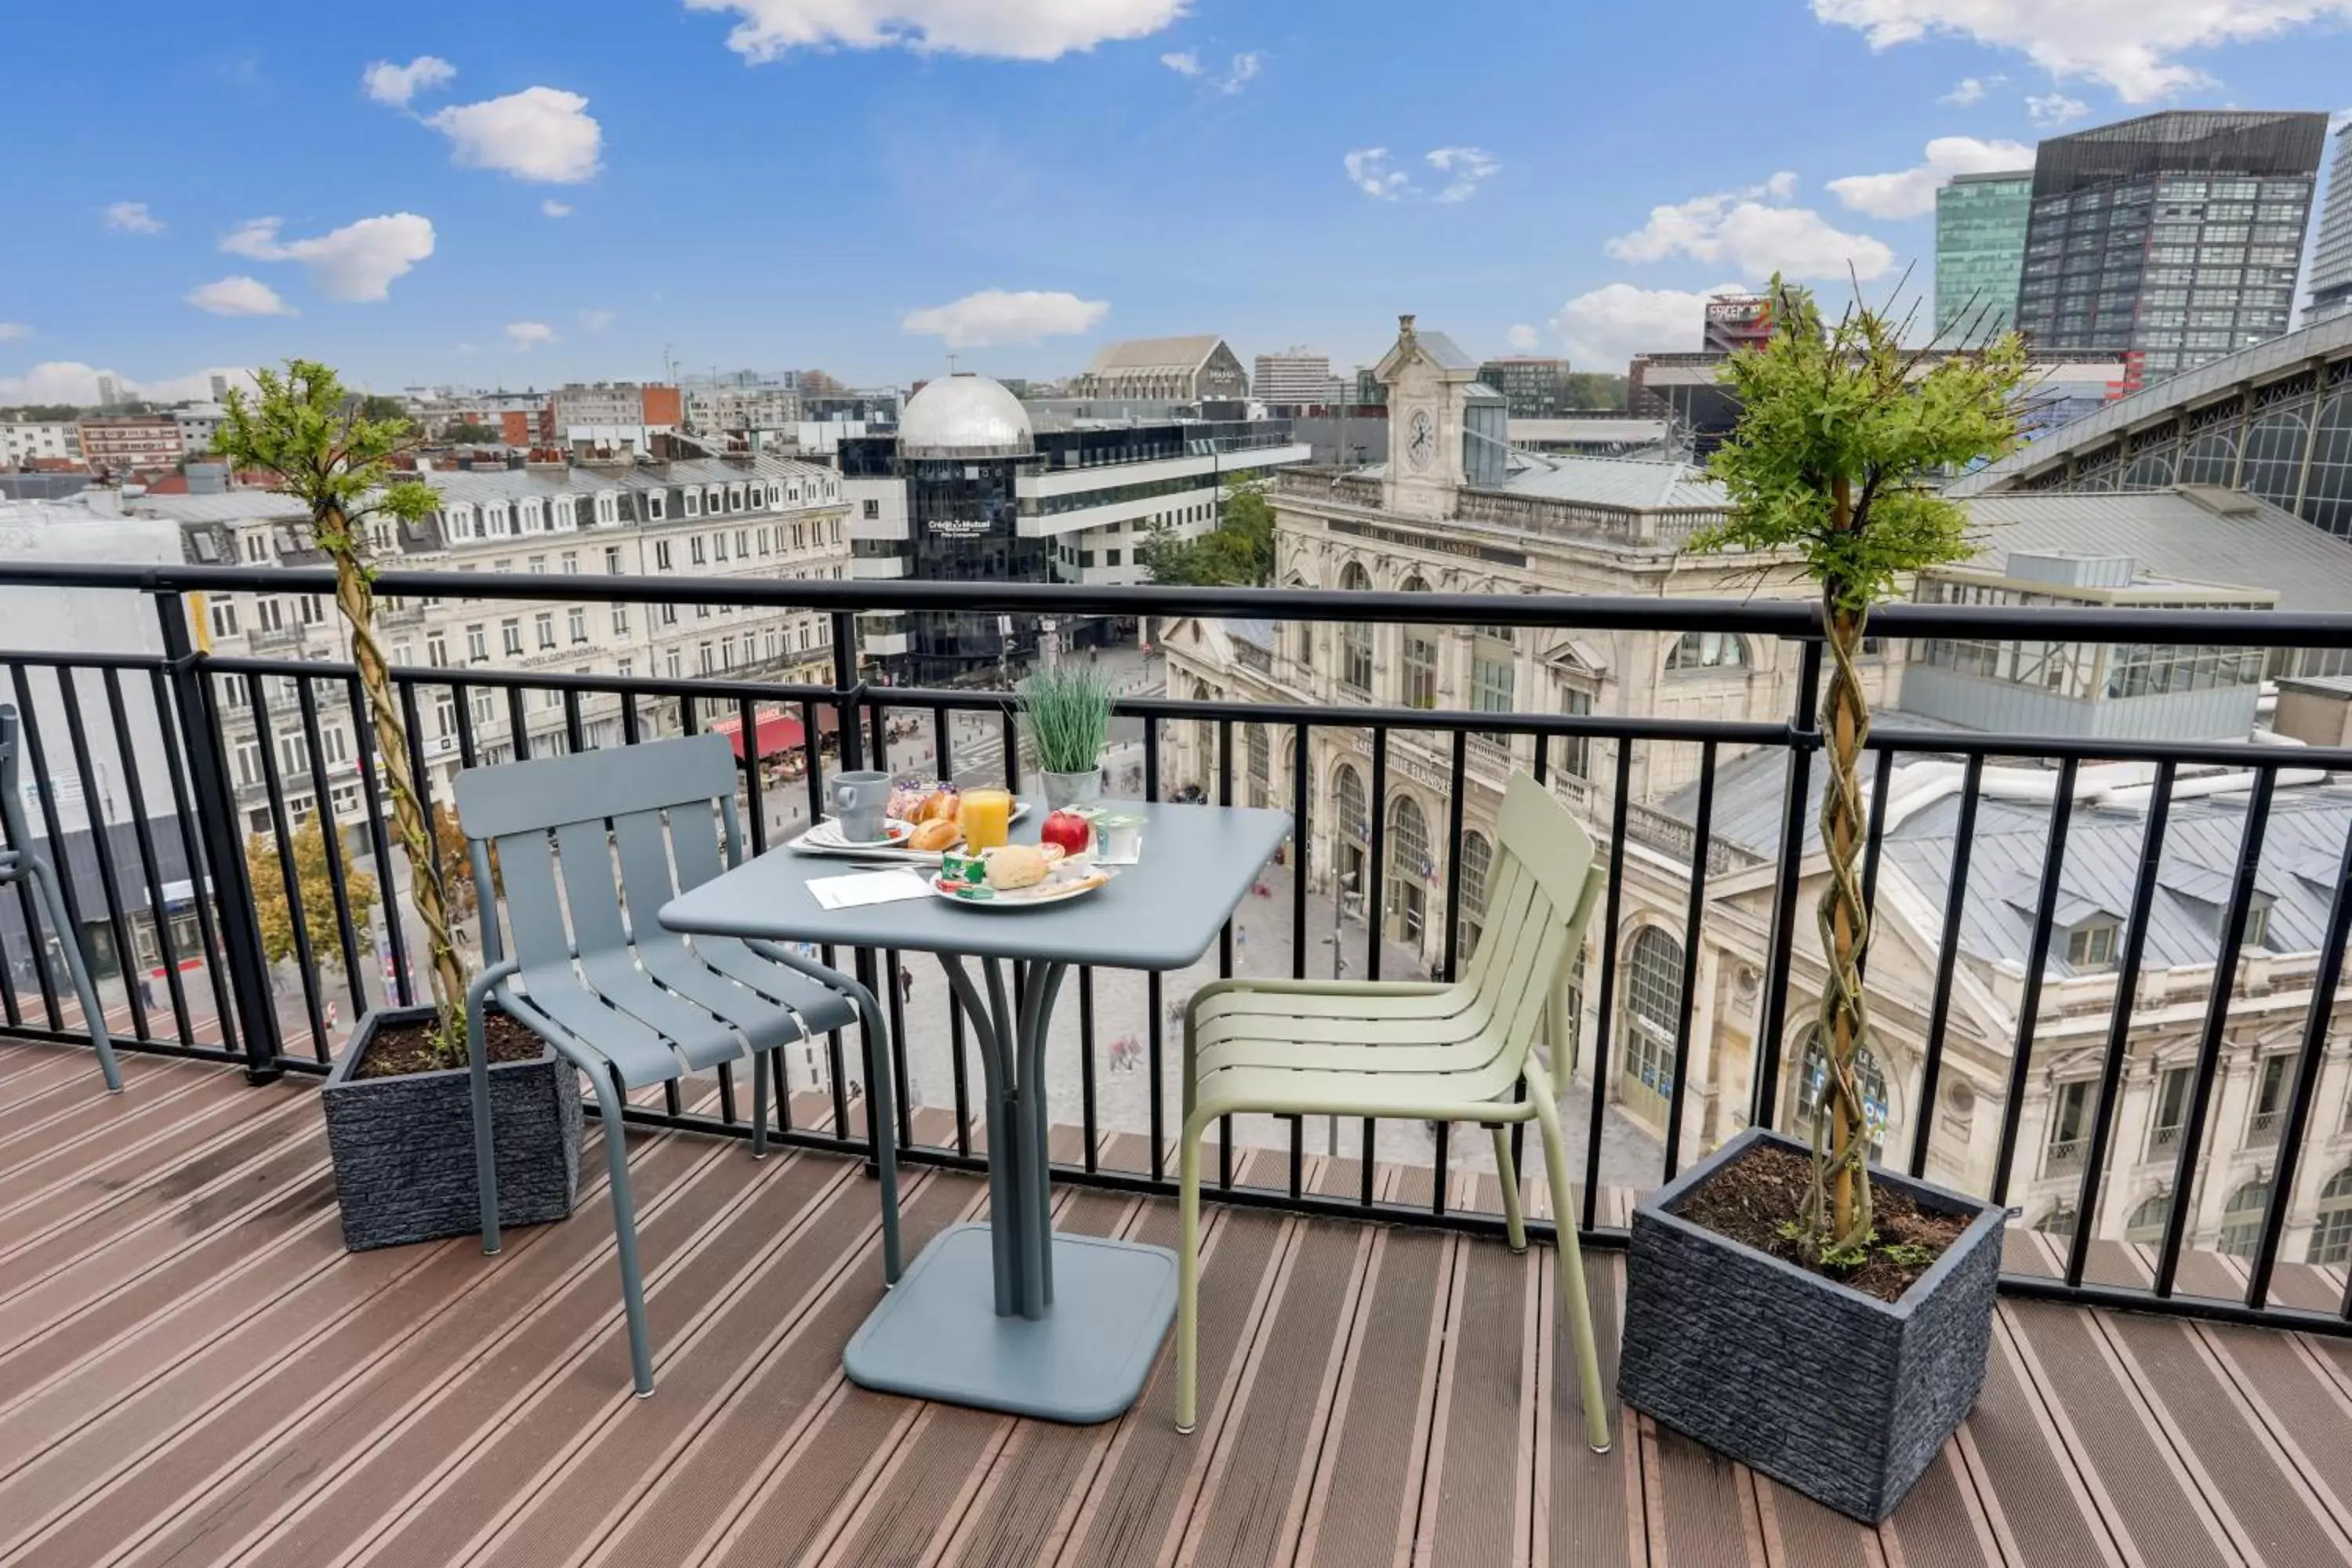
(872, 187)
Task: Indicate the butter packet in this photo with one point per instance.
(964, 866)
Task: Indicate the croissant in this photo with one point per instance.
(937, 834)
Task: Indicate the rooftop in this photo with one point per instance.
(1154, 354)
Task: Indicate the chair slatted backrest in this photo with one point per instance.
(1545, 883)
(664, 810)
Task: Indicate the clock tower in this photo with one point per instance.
(1429, 380)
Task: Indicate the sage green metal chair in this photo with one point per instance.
(20, 862)
(1416, 1051)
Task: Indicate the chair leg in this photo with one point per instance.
(1515, 1226)
(1188, 1276)
(486, 1154)
(882, 1109)
(70, 943)
(760, 1104)
(624, 1232)
(1569, 1260)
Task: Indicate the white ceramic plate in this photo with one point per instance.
(1068, 879)
(828, 834)
(825, 838)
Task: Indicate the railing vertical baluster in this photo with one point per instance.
(421, 773)
(848, 693)
(167, 946)
(36, 951)
(331, 840)
(208, 885)
(1804, 735)
(959, 1072)
(2111, 1065)
(281, 832)
(519, 723)
(575, 735)
(2046, 907)
(1153, 981)
(2326, 976)
(1374, 901)
(363, 750)
(629, 730)
(754, 792)
(1702, 837)
(1612, 904)
(109, 879)
(1225, 942)
(1948, 952)
(44, 794)
(1873, 848)
(2224, 990)
(461, 710)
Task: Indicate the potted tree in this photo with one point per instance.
(1823, 1321)
(398, 1102)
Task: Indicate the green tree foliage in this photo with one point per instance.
(1238, 552)
(304, 427)
(1842, 437)
(1596, 390)
(265, 869)
(376, 406)
(466, 434)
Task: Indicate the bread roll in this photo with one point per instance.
(937, 833)
(1017, 865)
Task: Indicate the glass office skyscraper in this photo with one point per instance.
(1979, 248)
(2175, 235)
(2331, 257)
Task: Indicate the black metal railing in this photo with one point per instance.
(175, 769)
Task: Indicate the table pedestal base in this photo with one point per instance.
(936, 1334)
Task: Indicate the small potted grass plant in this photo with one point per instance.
(1066, 715)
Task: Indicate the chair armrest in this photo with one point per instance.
(824, 974)
(1325, 987)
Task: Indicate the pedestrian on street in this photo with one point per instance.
(905, 983)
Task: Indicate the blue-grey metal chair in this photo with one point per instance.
(592, 973)
(17, 862)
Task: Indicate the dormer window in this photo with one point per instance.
(2093, 944)
(694, 503)
(2258, 922)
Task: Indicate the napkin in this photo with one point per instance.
(861, 888)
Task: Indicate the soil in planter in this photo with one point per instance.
(1757, 1197)
(409, 1048)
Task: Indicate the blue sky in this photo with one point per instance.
(797, 182)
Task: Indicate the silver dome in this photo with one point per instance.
(964, 416)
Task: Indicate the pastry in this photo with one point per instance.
(940, 805)
(937, 834)
(1017, 865)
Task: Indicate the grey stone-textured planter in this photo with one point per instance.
(1841, 1396)
(403, 1147)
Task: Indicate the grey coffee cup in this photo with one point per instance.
(859, 802)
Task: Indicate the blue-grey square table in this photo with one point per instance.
(1009, 1316)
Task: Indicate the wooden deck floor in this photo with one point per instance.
(193, 1371)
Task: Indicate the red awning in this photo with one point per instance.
(777, 733)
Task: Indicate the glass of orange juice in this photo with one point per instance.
(987, 818)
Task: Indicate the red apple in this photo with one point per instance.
(1068, 829)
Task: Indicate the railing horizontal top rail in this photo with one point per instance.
(1777, 617)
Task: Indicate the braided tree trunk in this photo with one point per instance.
(355, 597)
(1839, 1217)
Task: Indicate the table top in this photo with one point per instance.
(1198, 863)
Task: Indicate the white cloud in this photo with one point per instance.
(1910, 193)
(1971, 90)
(132, 217)
(356, 262)
(1465, 169)
(523, 336)
(1005, 30)
(1183, 62)
(2130, 44)
(540, 133)
(1607, 327)
(1524, 338)
(554, 208)
(12, 330)
(1747, 229)
(1241, 71)
(239, 297)
(1369, 168)
(69, 381)
(2050, 110)
(395, 85)
(997, 316)
(598, 320)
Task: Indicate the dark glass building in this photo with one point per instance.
(2174, 236)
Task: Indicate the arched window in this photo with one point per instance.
(2149, 471)
(2241, 1220)
(2331, 1230)
(1813, 1071)
(2328, 492)
(1348, 789)
(1260, 750)
(2148, 1221)
(1356, 636)
(1477, 863)
(1420, 657)
(1409, 868)
(2274, 456)
(1708, 650)
(2211, 459)
(1654, 992)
